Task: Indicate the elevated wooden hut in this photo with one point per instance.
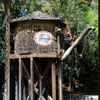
(38, 36)
(38, 47)
(38, 33)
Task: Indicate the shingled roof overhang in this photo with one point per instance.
(37, 15)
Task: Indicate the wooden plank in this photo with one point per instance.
(26, 31)
(20, 80)
(60, 81)
(32, 80)
(53, 81)
(40, 55)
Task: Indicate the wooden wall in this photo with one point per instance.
(25, 32)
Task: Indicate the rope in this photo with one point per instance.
(68, 29)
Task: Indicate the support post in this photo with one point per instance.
(53, 81)
(60, 81)
(58, 38)
(20, 79)
(40, 84)
(32, 81)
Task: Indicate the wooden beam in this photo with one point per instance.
(60, 81)
(43, 74)
(75, 43)
(32, 80)
(40, 86)
(40, 55)
(53, 81)
(36, 70)
(20, 79)
(25, 69)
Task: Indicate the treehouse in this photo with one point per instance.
(37, 37)
(38, 44)
(38, 33)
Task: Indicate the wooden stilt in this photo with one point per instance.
(53, 81)
(32, 81)
(60, 81)
(20, 80)
(40, 86)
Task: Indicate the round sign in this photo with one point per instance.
(43, 38)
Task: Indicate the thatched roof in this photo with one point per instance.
(36, 15)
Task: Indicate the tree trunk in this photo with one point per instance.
(7, 67)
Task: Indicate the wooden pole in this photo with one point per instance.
(20, 79)
(40, 84)
(60, 81)
(58, 38)
(32, 81)
(7, 69)
(75, 43)
(25, 69)
(53, 81)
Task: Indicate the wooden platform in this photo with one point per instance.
(39, 55)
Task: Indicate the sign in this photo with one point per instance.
(43, 38)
